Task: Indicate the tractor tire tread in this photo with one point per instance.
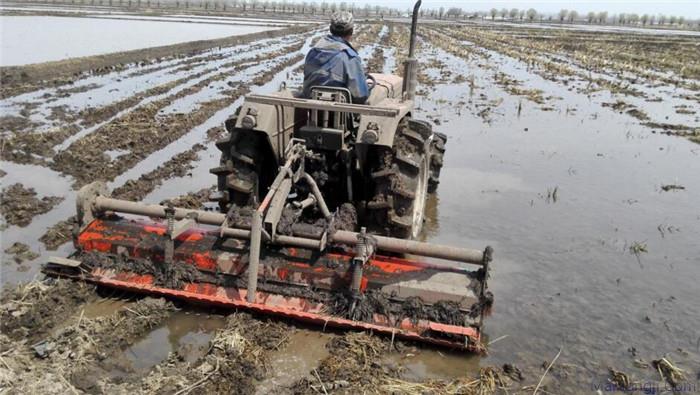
(395, 176)
(437, 153)
(237, 173)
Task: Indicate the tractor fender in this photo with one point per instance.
(275, 122)
(380, 130)
(259, 138)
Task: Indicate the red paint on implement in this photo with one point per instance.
(200, 248)
(288, 307)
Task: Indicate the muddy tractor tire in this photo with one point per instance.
(238, 172)
(437, 153)
(401, 176)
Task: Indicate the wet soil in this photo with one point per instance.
(139, 133)
(178, 166)
(18, 205)
(191, 200)
(86, 354)
(31, 311)
(59, 233)
(79, 352)
(358, 363)
(16, 80)
(20, 252)
(143, 131)
(526, 115)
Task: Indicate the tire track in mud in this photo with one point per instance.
(176, 87)
(31, 148)
(375, 62)
(54, 232)
(140, 185)
(177, 166)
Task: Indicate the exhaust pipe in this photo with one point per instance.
(410, 73)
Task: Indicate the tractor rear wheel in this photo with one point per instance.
(437, 152)
(238, 172)
(401, 176)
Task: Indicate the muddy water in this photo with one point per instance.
(563, 276)
(101, 90)
(216, 21)
(65, 37)
(186, 333)
(305, 349)
(33, 176)
(200, 176)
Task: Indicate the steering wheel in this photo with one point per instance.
(373, 81)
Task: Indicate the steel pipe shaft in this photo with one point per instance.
(102, 203)
(255, 235)
(415, 247)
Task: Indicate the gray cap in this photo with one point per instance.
(342, 22)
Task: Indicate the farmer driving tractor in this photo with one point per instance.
(334, 62)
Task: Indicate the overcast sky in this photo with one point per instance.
(686, 8)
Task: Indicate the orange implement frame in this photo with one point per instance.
(292, 308)
(201, 248)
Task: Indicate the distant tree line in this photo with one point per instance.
(563, 16)
(282, 6)
(367, 10)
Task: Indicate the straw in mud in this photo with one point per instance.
(620, 379)
(489, 380)
(668, 371)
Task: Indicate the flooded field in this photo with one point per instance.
(575, 155)
(65, 37)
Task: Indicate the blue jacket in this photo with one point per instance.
(334, 62)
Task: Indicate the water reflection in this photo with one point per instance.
(184, 332)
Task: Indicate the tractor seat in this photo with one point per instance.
(327, 129)
(331, 93)
(329, 119)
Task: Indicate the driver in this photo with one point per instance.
(334, 62)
